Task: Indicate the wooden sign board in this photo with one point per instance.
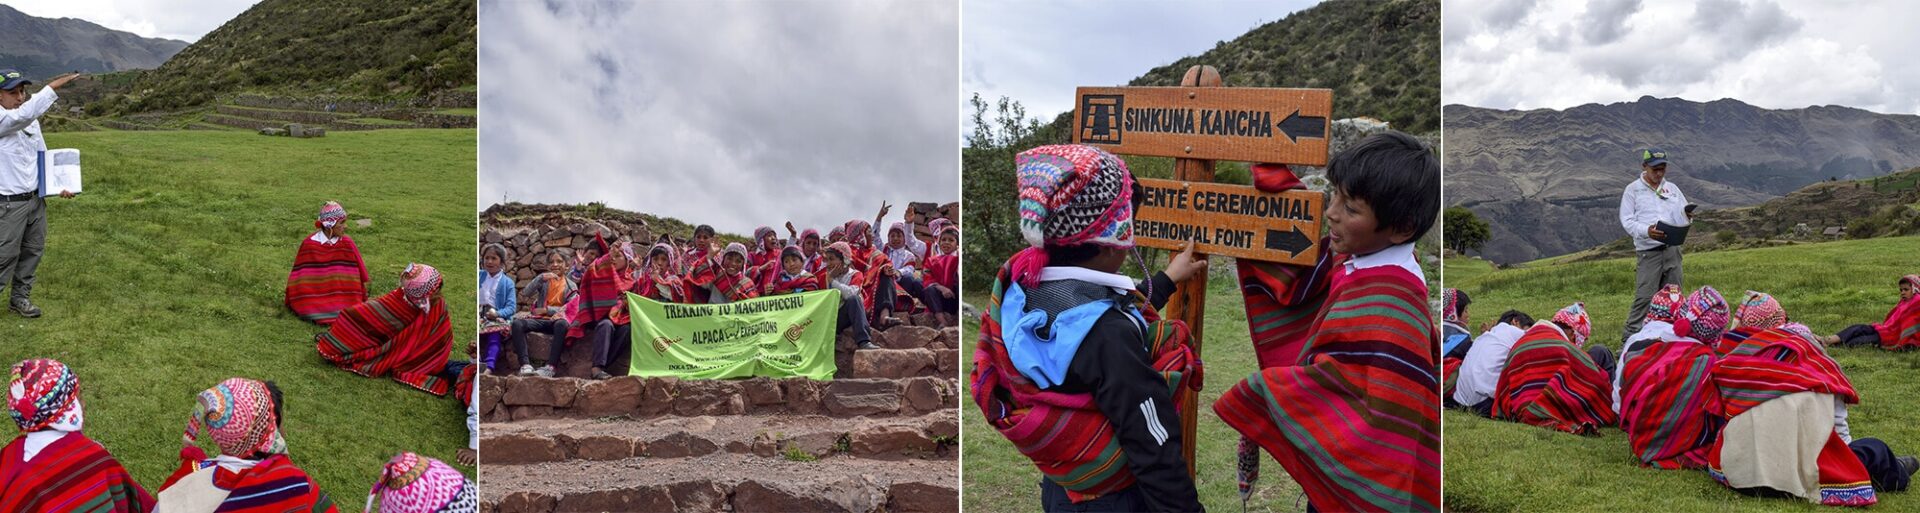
(1232, 220)
(1248, 124)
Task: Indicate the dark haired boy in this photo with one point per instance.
(702, 264)
(1347, 398)
(1480, 370)
(1074, 365)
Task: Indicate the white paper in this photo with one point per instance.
(63, 172)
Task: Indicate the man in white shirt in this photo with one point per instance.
(23, 213)
(1480, 371)
(1648, 201)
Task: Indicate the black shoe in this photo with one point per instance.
(25, 308)
(864, 345)
(1908, 464)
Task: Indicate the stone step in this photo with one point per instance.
(284, 116)
(790, 437)
(577, 360)
(508, 399)
(722, 482)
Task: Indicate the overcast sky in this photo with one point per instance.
(170, 19)
(1524, 54)
(1037, 52)
(735, 114)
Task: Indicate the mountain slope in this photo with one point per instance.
(1548, 182)
(368, 48)
(44, 47)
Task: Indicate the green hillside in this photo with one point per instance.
(1502, 466)
(168, 275)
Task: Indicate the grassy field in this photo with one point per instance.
(168, 275)
(1501, 466)
(998, 478)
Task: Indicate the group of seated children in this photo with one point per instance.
(53, 467)
(583, 298)
(406, 333)
(1738, 390)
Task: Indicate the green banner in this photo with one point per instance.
(779, 336)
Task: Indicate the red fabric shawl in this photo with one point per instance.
(701, 270)
(1901, 330)
(1551, 384)
(1669, 406)
(274, 485)
(599, 295)
(1065, 435)
(325, 279)
(73, 473)
(389, 335)
(944, 270)
(1355, 419)
(1775, 363)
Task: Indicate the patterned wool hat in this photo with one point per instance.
(44, 394)
(809, 234)
(330, 214)
(1575, 316)
(838, 232)
(495, 248)
(1803, 331)
(858, 233)
(238, 414)
(899, 226)
(1074, 194)
(939, 225)
(734, 248)
(842, 250)
(1452, 301)
(1705, 316)
(792, 251)
(1666, 304)
(1911, 279)
(419, 281)
(411, 483)
(1760, 310)
(673, 260)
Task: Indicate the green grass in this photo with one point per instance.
(458, 112)
(1502, 466)
(999, 478)
(168, 275)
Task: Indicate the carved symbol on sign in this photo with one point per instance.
(1291, 242)
(1297, 126)
(1100, 118)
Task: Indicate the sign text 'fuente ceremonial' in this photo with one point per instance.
(1232, 220)
(1250, 124)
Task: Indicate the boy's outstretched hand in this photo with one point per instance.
(1184, 265)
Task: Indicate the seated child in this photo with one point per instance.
(810, 244)
(765, 253)
(1347, 398)
(406, 333)
(701, 264)
(596, 318)
(1074, 365)
(551, 291)
(411, 483)
(839, 274)
(1664, 391)
(1455, 340)
(1479, 371)
(658, 280)
(498, 298)
(792, 276)
(1549, 382)
(736, 280)
(52, 467)
(943, 277)
(1900, 330)
(252, 472)
(328, 274)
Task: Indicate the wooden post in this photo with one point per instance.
(1190, 302)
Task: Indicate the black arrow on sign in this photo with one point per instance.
(1296, 126)
(1291, 242)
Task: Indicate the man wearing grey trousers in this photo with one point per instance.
(23, 213)
(1648, 201)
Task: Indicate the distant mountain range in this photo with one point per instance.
(42, 48)
(1548, 182)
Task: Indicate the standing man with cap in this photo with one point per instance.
(1647, 202)
(23, 213)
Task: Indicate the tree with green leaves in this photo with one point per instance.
(1464, 231)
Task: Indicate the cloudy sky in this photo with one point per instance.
(1037, 52)
(734, 114)
(1524, 54)
(168, 19)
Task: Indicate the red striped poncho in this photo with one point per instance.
(598, 296)
(1355, 420)
(325, 279)
(1776, 363)
(391, 336)
(1669, 406)
(1065, 435)
(274, 485)
(1450, 372)
(1901, 330)
(1283, 302)
(73, 473)
(665, 288)
(802, 283)
(944, 270)
(1739, 341)
(738, 286)
(463, 385)
(699, 273)
(1551, 384)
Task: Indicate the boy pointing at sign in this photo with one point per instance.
(1347, 399)
(1074, 364)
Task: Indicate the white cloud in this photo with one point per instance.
(1564, 53)
(150, 18)
(735, 114)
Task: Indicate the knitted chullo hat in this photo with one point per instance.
(1450, 301)
(1575, 317)
(419, 281)
(1760, 310)
(1070, 195)
(330, 214)
(44, 394)
(1666, 304)
(411, 483)
(1705, 316)
(238, 414)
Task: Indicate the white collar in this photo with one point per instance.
(1556, 328)
(1118, 282)
(1400, 255)
(39, 440)
(232, 464)
(1661, 330)
(321, 237)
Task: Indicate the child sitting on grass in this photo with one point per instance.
(1901, 329)
(52, 466)
(328, 274)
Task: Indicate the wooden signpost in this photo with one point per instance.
(1197, 123)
